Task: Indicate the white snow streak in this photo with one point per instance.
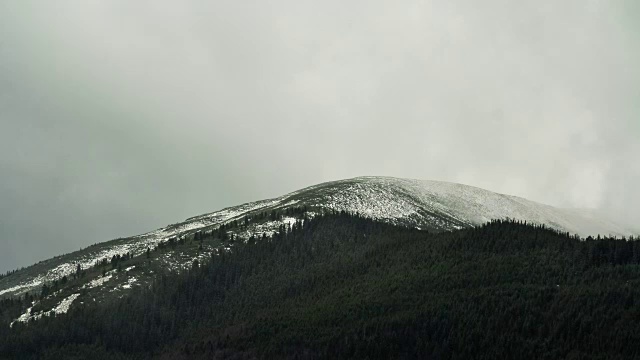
(97, 282)
(61, 308)
(64, 305)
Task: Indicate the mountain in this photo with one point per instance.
(341, 286)
(113, 268)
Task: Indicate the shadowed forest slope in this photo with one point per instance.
(342, 286)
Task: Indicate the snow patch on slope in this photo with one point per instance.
(61, 308)
(64, 305)
(23, 318)
(28, 285)
(97, 282)
(137, 245)
(130, 282)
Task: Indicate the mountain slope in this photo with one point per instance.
(431, 205)
(342, 286)
(447, 206)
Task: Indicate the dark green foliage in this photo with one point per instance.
(346, 287)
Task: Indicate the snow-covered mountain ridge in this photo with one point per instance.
(431, 205)
(421, 201)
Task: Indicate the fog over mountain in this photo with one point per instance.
(117, 118)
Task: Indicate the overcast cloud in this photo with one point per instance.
(119, 117)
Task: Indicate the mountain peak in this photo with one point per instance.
(424, 204)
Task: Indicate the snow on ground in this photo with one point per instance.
(289, 221)
(393, 199)
(61, 308)
(85, 261)
(181, 261)
(376, 202)
(139, 244)
(64, 305)
(269, 228)
(232, 213)
(28, 285)
(130, 282)
(398, 201)
(130, 268)
(97, 282)
(23, 318)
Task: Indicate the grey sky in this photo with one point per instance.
(118, 117)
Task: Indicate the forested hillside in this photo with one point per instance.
(428, 205)
(342, 286)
